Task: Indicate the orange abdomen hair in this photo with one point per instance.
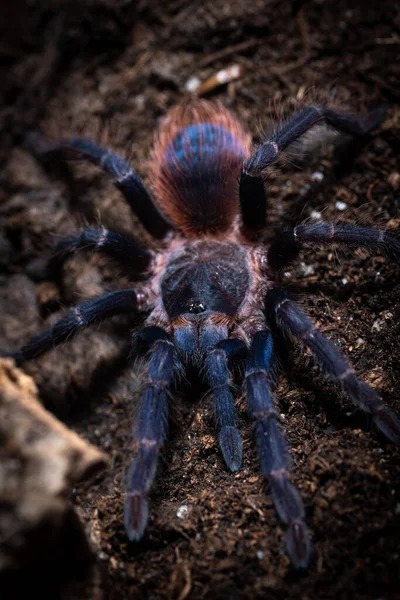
(198, 155)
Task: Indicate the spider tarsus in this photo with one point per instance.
(368, 400)
(231, 445)
(36, 143)
(388, 423)
(298, 544)
(136, 514)
(287, 500)
(35, 347)
(374, 118)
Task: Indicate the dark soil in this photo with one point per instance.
(82, 66)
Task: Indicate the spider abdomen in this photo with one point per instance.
(206, 276)
(197, 160)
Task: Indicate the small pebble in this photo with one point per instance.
(394, 180)
(341, 205)
(315, 214)
(192, 84)
(345, 281)
(378, 325)
(260, 554)
(182, 510)
(305, 270)
(103, 556)
(317, 176)
(305, 189)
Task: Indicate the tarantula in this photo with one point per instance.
(208, 292)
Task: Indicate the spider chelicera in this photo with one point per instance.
(209, 294)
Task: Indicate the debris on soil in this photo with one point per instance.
(40, 460)
(195, 86)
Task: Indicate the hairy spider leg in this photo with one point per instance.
(151, 424)
(272, 448)
(83, 315)
(290, 319)
(251, 188)
(218, 377)
(117, 246)
(286, 247)
(122, 175)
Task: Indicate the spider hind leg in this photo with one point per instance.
(290, 319)
(122, 174)
(253, 199)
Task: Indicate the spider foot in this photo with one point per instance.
(136, 513)
(290, 508)
(298, 544)
(388, 423)
(231, 445)
(374, 118)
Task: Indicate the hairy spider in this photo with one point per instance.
(208, 292)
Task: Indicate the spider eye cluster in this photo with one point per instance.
(197, 307)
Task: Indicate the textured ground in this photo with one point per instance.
(85, 66)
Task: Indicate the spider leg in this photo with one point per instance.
(218, 377)
(122, 174)
(122, 248)
(150, 427)
(286, 247)
(251, 188)
(83, 315)
(292, 320)
(272, 448)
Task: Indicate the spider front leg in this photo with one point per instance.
(83, 315)
(150, 427)
(252, 194)
(272, 449)
(286, 247)
(219, 378)
(292, 320)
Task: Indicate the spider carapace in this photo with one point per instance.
(200, 278)
(208, 290)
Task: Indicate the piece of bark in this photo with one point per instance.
(40, 459)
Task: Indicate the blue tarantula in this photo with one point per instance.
(209, 295)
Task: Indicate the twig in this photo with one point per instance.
(211, 58)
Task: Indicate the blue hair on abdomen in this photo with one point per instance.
(197, 144)
(202, 162)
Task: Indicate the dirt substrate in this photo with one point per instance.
(117, 65)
